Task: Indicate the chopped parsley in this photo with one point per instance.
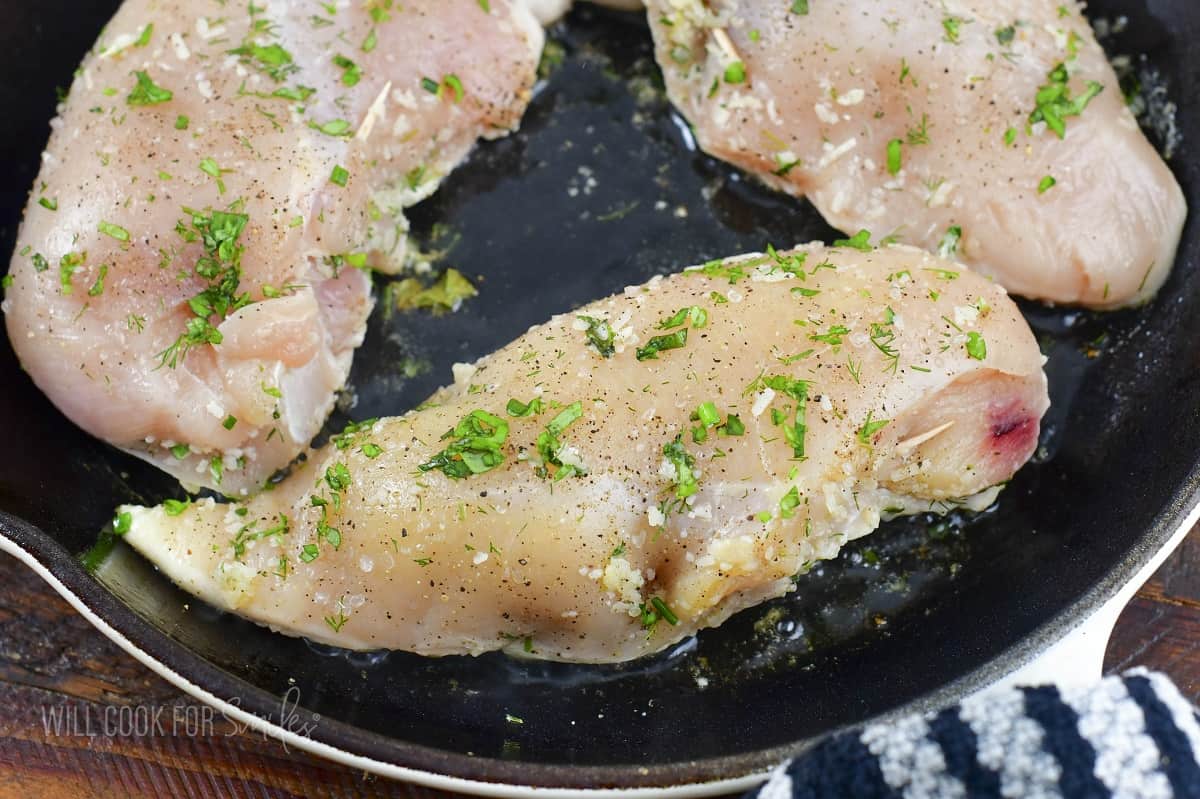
(657, 344)
(446, 294)
(948, 247)
(122, 522)
(299, 93)
(147, 92)
(859, 241)
(339, 176)
(334, 127)
(68, 265)
(351, 72)
(271, 59)
(449, 81)
(708, 417)
(832, 337)
(116, 231)
(694, 315)
(356, 433)
(797, 390)
(1054, 103)
(731, 270)
(789, 502)
(870, 427)
(218, 232)
(143, 38)
(248, 534)
(600, 335)
(550, 447)
(98, 287)
(1046, 183)
(976, 346)
(893, 157)
(951, 28)
(685, 482)
(454, 83)
(520, 410)
(475, 446)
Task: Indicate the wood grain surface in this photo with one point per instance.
(61, 680)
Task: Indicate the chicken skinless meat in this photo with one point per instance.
(183, 284)
(750, 418)
(913, 120)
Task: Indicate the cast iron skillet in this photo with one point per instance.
(601, 189)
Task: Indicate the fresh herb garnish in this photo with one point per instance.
(475, 446)
(351, 72)
(446, 294)
(220, 265)
(600, 335)
(657, 344)
(685, 482)
(976, 346)
(870, 428)
(948, 246)
(520, 410)
(893, 157)
(550, 447)
(1054, 103)
(859, 241)
(146, 92)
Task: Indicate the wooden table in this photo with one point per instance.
(51, 657)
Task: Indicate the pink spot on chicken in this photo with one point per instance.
(1013, 434)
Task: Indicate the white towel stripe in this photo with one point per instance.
(1182, 712)
(778, 785)
(1127, 759)
(1010, 744)
(910, 761)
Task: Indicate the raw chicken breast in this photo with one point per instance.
(625, 475)
(183, 284)
(969, 127)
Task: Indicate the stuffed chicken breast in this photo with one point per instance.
(184, 284)
(625, 475)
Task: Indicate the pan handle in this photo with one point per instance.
(1077, 658)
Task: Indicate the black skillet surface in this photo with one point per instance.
(601, 189)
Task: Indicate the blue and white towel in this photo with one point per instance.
(1132, 737)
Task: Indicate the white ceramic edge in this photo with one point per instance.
(1075, 658)
(426, 778)
(1078, 657)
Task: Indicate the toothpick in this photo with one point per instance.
(917, 440)
(373, 113)
(726, 44)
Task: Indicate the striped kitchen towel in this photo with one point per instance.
(1130, 737)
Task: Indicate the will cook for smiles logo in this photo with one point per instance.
(187, 720)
